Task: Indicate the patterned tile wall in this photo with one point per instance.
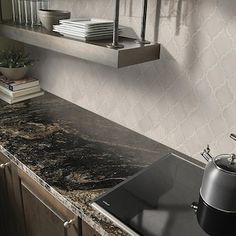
(185, 100)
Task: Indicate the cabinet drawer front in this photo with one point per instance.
(39, 218)
(45, 215)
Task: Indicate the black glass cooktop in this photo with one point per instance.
(157, 201)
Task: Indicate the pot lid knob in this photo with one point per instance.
(232, 159)
(226, 162)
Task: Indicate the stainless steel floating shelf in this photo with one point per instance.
(95, 51)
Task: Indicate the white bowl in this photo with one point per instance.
(14, 73)
(49, 18)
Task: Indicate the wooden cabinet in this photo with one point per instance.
(43, 214)
(3, 197)
(8, 222)
(88, 230)
(27, 209)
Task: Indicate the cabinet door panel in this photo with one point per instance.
(40, 219)
(18, 210)
(88, 231)
(3, 199)
(7, 203)
(27, 209)
(44, 215)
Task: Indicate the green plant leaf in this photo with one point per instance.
(15, 58)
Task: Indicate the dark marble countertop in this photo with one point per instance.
(75, 154)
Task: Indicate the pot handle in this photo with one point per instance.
(194, 206)
(233, 136)
(206, 154)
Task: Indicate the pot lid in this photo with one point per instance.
(226, 162)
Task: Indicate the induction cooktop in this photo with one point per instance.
(156, 201)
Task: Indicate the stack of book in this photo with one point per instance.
(19, 90)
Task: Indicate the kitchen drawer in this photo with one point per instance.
(43, 214)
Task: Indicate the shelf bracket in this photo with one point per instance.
(115, 44)
(142, 39)
(1, 18)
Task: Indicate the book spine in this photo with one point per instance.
(18, 87)
(10, 87)
(5, 85)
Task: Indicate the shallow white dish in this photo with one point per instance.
(86, 28)
(87, 38)
(79, 30)
(82, 34)
(88, 22)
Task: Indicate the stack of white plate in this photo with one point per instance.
(85, 28)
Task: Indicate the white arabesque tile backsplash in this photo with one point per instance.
(184, 100)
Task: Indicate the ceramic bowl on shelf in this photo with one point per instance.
(49, 18)
(14, 73)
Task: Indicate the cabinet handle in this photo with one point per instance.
(3, 166)
(68, 223)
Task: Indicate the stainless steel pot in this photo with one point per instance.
(218, 188)
(216, 209)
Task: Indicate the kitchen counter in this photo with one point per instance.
(73, 153)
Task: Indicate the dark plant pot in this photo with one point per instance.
(14, 73)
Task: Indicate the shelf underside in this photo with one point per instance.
(95, 51)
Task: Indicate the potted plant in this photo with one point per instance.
(14, 63)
